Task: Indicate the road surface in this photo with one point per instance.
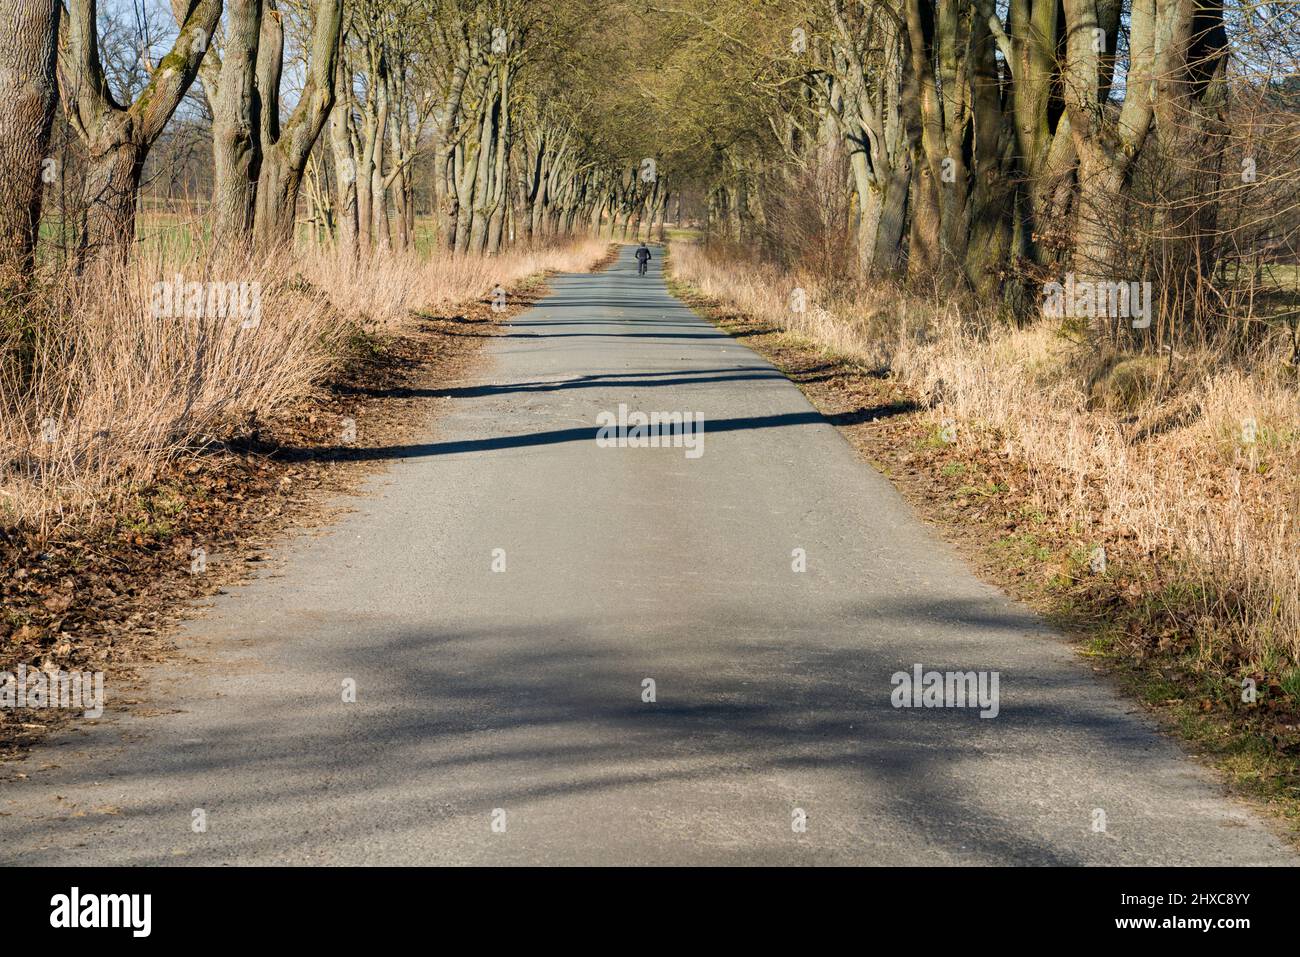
(500, 715)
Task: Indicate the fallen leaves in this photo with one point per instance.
(103, 596)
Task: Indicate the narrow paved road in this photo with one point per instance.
(522, 690)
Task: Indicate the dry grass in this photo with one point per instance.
(385, 290)
(98, 386)
(802, 305)
(1138, 455)
(1171, 470)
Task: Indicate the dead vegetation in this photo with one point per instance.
(104, 376)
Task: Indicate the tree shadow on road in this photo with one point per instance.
(450, 723)
(575, 434)
(638, 380)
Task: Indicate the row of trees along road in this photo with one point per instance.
(993, 145)
(339, 113)
(982, 145)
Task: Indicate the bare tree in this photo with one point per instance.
(118, 137)
(285, 147)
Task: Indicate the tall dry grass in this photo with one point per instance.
(1194, 463)
(802, 304)
(1198, 467)
(99, 385)
(384, 290)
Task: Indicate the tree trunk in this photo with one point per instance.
(396, 181)
(379, 225)
(285, 148)
(888, 255)
(29, 31)
(482, 207)
(992, 190)
(500, 168)
(345, 163)
(1106, 148)
(118, 139)
(111, 188)
(236, 146)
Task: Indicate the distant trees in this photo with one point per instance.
(506, 118)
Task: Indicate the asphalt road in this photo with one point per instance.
(516, 696)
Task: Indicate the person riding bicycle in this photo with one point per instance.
(642, 259)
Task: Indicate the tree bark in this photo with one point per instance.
(29, 31)
(379, 226)
(1106, 149)
(345, 162)
(236, 145)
